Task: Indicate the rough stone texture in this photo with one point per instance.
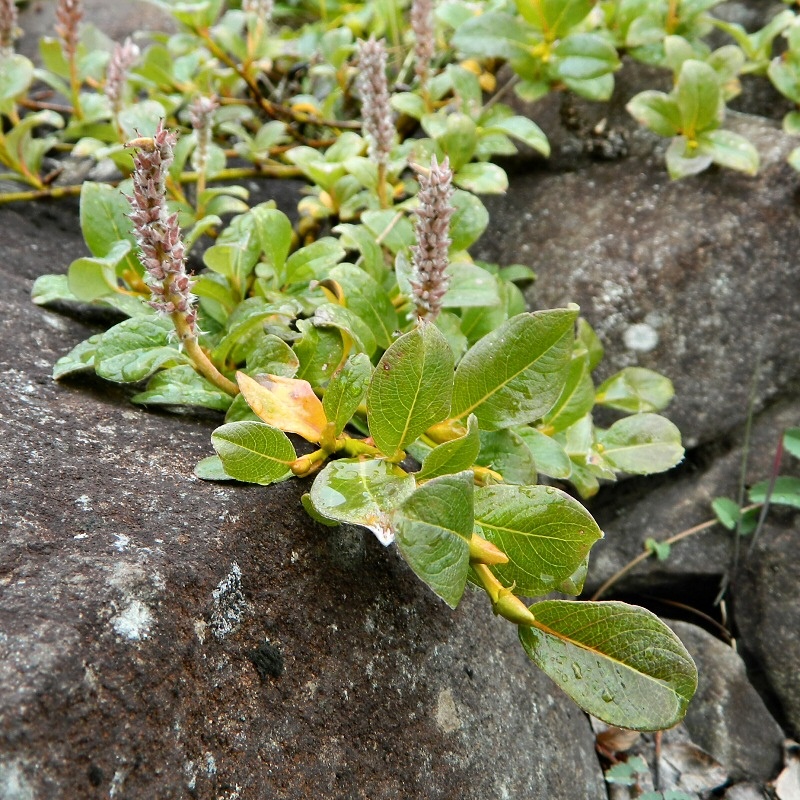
(687, 260)
(135, 663)
(767, 612)
(727, 718)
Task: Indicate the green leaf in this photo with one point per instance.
(271, 355)
(492, 35)
(182, 386)
(134, 349)
(726, 511)
(506, 452)
(657, 111)
(545, 533)
(16, 75)
(683, 160)
(458, 140)
(588, 342)
(391, 228)
(362, 493)
(515, 374)
(211, 469)
(433, 528)
(92, 277)
(51, 289)
(319, 350)
(346, 391)
(104, 222)
(336, 316)
(254, 452)
(698, 96)
(275, 235)
(554, 17)
(641, 444)
(141, 119)
(79, 359)
(470, 285)
(791, 441)
(408, 103)
(313, 261)
(548, 454)
(453, 456)
(660, 550)
(411, 389)
(729, 150)
(576, 399)
(785, 492)
(617, 662)
(524, 129)
(482, 178)
(468, 222)
(635, 389)
(585, 56)
(364, 296)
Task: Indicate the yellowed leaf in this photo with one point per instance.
(285, 403)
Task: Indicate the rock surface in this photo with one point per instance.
(134, 660)
(727, 718)
(768, 613)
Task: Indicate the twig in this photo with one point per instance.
(647, 553)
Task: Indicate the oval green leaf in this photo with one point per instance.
(254, 452)
(361, 493)
(453, 456)
(641, 444)
(514, 375)
(346, 391)
(617, 662)
(411, 389)
(433, 528)
(545, 533)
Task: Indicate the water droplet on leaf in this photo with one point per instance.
(576, 669)
(607, 696)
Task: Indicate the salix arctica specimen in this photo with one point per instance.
(424, 43)
(122, 59)
(69, 14)
(8, 26)
(375, 108)
(201, 113)
(430, 255)
(161, 248)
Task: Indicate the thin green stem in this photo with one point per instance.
(201, 361)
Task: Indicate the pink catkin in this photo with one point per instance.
(158, 233)
(375, 108)
(122, 59)
(8, 26)
(69, 14)
(431, 253)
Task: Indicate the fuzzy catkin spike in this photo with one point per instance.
(8, 26)
(430, 255)
(158, 233)
(69, 14)
(201, 114)
(122, 59)
(262, 9)
(424, 38)
(376, 111)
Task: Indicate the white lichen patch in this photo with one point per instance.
(446, 712)
(229, 604)
(84, 502)
(642, 338)
(134, 621)
(121, 542)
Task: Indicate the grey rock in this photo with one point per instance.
(727, 718)
(337, 674)
(746, 791)
(706, 263)
(767, 612)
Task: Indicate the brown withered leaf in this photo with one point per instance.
(286, 403)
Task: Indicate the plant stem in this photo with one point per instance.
(644, 555)
(201, 361)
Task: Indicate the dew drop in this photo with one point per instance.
(576, 669)
(607, 696)
(550, 490)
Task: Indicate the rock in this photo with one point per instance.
(659, 507)
(746, 791)
(727, 718)
(165, 637)
(767, 610)
(684, 262)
